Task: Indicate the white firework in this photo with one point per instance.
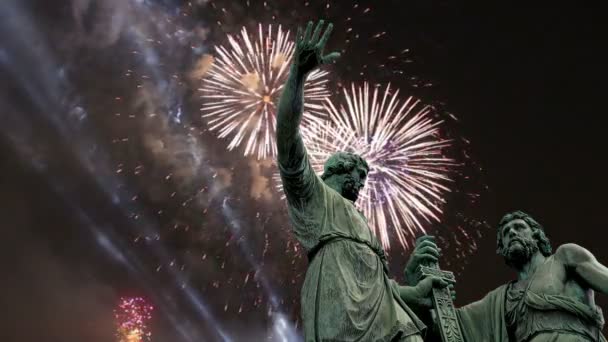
(241, 89)
(400, 140)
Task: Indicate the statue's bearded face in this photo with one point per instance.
(348, 183)
(518, 243)
(346, 173)
(353, 182)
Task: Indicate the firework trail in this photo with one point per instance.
(242, 86)
(409, 172)
(132, 316)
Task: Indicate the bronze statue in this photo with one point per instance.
(347, 294)
(552, 298)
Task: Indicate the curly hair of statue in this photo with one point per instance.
(342, 162)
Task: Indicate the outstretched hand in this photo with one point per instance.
(309, 48)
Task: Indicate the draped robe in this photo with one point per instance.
(347, 294)
(484, 320)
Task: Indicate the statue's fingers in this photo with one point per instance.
(424, 238)
(428, 250)
(330, 58)
(426, 243)
(426, 258)
(325, 36)
(317, 33)
(306, 37)
(439, 282)
(419, 258)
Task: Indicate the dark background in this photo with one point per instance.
(529, 84)
(526, 84)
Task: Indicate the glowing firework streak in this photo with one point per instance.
(241, 90)
(132, 316)
(409, 173)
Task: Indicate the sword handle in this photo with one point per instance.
(445, 312)
(447, 320)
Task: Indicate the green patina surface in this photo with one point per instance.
(347, 294)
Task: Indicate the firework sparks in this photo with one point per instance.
(241, 89)
(132, 316)
(409, 172)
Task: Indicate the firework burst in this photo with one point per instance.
(242, 86)
(131, 317)
(409, 172)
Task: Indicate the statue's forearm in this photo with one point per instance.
(411, 298)
(409, 295)
(289, 114)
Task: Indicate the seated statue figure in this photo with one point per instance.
(552, 299)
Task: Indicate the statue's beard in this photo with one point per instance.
(517, 255)
(350, 189)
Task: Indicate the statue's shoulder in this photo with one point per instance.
(569, 248)
(571, 253)
(501, 290)
(497, 292)
(490, 300)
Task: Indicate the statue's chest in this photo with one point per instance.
(549, 280)
(350, 218)
(348, 213)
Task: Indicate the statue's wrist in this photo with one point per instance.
(411, 278)
(297, 72)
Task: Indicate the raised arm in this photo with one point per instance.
(585, 265)
(292, 159)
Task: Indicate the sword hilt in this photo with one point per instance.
(433, 270)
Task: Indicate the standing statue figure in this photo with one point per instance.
(347, 294)
(552, 299)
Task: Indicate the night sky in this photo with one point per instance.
(103, 200)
